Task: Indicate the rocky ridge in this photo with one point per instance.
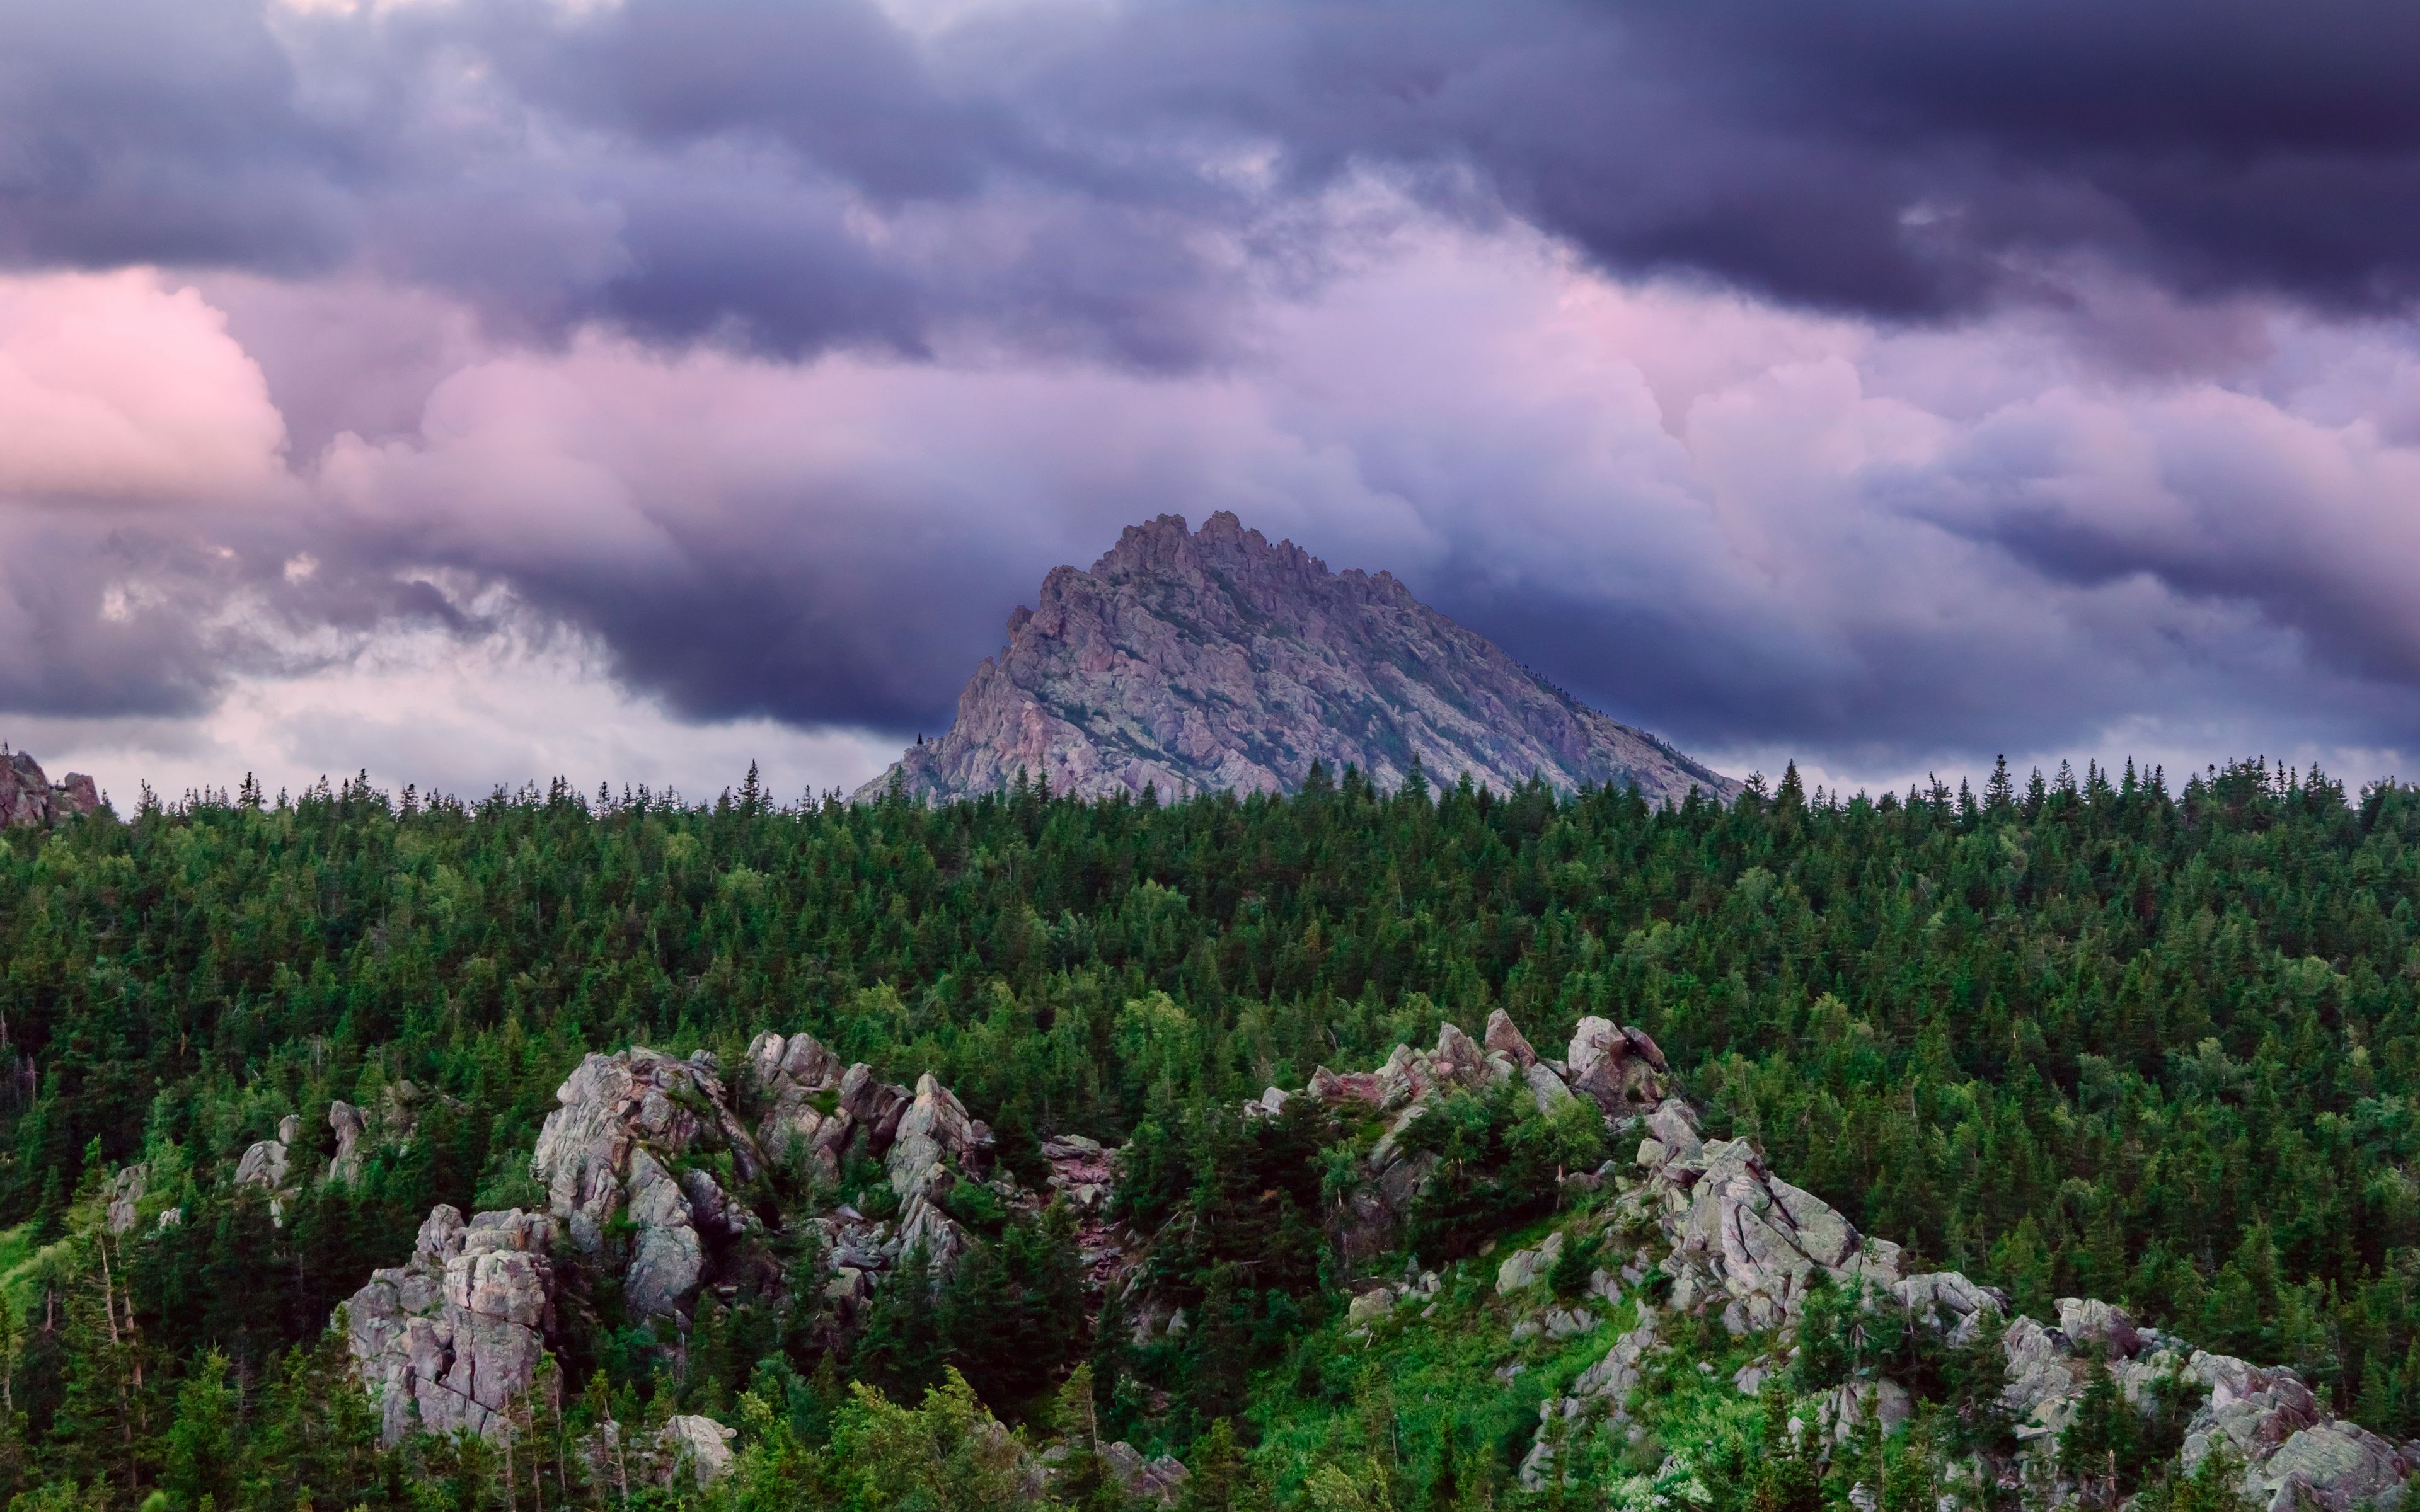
(1735, 1241)
(1688, 1226)
(1215, 660)
(30, 801)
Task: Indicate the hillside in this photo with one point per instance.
(965, 1089)
(1206, 661)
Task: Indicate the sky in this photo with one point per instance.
(473, 392)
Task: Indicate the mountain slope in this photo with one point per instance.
(1217, 660)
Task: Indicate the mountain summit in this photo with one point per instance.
(1195, 661)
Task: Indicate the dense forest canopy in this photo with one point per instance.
(2069, 1036)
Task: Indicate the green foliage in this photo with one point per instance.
(2214, 1486)
(1011, 1316)
(2088, 1036)
(1790, 1477)
(946, 1454)
(1497, 1161)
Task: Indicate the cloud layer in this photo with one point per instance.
(1889, 393)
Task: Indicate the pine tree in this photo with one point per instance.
(108, 1422)
(1221, 1477)
(203, 1453)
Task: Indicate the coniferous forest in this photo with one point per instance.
(2098, 1035)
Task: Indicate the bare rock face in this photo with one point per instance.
(450, 1337)
(623, 1124)
(348, 1123)
(1744, 1241)
(695, 1448)
(1210, 661)
(1619, 1067)
(29, 800)
(126, 1191)
(793, 1072)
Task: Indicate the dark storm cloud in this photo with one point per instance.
(1886, 156)
(1147, 189)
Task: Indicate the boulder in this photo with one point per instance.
(796, 1062)
(622, 1122)
(790, 1075)
(1407, 1077)
(1845, 1408)
(1359, 1087)
(1742, 1236)
(28, 799)
(1159, 1480)
(923, 1224)
(1458, 1058)
(263, 1166)
(876, 1107)
(1525, 1267)
(2089, 1321)
(1673, 1125)
(667, 1257)
(2335, 1465)
(2046, 1381)
(1615, 1376)
(1609, 1064)
(934, 1129)
(1546, 1087)
(696, 1450)
(1504, 1038)
(1950, 1302)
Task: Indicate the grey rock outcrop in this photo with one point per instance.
(1749, 1243)
(797, 1077)
(447, 1339)
(695, 1449)
(29, 800)
(1743, 1239)
(1620, 1068)
(348, 1124)
(263, 1166)
(1161, 1480)
(126, 1191)
(623, 1123)
(1216, 660)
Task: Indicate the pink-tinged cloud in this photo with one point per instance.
(1762, 532)
(118, 387)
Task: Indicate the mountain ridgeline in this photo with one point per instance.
(1195, 662)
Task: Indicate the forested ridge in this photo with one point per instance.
(2071, 1036)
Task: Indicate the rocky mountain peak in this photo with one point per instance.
(29, 799)
(1215, 659)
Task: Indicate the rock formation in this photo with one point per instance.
(1737, 1242)
(28, 799)
(448, 1339)
(1216, 661)
(624, 1126)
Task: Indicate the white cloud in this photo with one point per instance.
(526, 704)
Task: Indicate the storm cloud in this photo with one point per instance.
(1883, 384)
